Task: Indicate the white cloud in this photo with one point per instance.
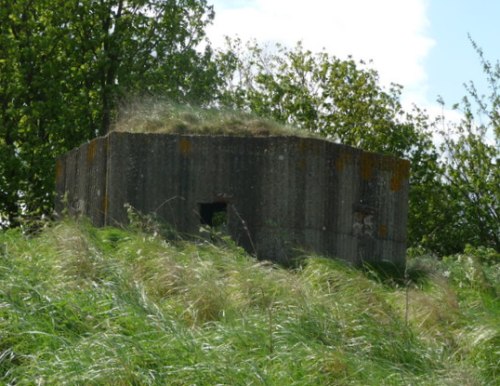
(392, 33)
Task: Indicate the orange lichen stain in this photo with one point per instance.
(342, 160)
(302, 146)
(400, 173)
(308, 147)
(367, 164)
(59, 169)
(382, 231)
(185, 146)
(105, 204)
(91, 151)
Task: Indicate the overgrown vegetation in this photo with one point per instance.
(80, 305)
(160, 116)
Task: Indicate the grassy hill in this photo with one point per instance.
(86, 306)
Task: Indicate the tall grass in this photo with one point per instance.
(80, 305)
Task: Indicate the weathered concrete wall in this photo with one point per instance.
(290, 192)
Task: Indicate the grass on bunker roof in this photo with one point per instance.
(165, 117)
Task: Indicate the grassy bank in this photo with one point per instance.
(80, 305)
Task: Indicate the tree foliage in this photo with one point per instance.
(64, 67)
(340, 99)
(471, 174)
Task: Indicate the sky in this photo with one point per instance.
(421, 44)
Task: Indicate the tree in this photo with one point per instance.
(65, 66)
(339, 99)
(471, 172)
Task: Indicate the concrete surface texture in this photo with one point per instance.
(275, 196)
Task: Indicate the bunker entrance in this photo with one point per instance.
(213, 214)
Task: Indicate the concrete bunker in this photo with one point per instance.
(274, 195)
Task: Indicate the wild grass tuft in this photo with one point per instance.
(109, 306)
(158, 116)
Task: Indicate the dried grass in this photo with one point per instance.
(155, 116)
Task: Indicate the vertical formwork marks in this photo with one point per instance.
(286, 193)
